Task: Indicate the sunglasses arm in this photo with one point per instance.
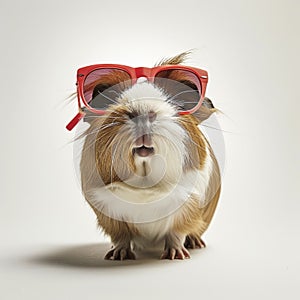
(75, 120)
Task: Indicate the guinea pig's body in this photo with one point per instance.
(150, 175)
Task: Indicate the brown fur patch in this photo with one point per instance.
(196, 143)
(103, 137)
(106, 155)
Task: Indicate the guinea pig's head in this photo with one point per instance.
(142, 140)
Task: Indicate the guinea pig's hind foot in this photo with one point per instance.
(120, 253)
(194, 242)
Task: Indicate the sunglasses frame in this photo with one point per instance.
(135, 74)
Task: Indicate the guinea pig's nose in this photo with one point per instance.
(151, 116)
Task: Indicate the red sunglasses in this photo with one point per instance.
(98, 86)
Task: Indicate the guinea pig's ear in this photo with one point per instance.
(206, 109)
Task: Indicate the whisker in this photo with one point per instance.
(112, 163)
(211, 127)
(201, 147)
(92, 143)
(183, 92)
(108, 98)
(95, 131)
(98, 129)
(116, 93)
(191, 140)
(116, 145)
(98, 116)
(176, 104)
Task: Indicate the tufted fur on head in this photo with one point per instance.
(175, 60)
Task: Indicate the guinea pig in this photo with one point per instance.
(147, 171)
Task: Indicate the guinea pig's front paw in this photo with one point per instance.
(120, 253)
(174, 248)
(175, 253)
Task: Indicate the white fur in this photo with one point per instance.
(137, 98)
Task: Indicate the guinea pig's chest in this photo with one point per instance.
(152, 210)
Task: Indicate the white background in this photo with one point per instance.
(50, 247)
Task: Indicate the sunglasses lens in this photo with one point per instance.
(102, 87)
(182, 87)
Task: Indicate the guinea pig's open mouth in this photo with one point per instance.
(143, 151)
